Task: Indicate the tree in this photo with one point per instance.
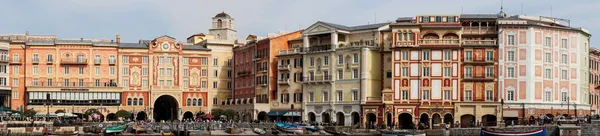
(123, 114)
(217, 113)
(230, 113)
(59, 111)
(29, 113)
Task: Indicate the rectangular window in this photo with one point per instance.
(447, 55)
(547, 96)
(97, 82)
(425, 94)
(111, 59)
(489, 55)
(216, 73)
(564, 74)
(325, 60)
(388, 74)
(564, 96)
(468, 56)
(228, 84)
(97, 59)
(425, 55)
(67, 70)
(355, 58)
(446, 94)
(144, 59)
(126, 71)
(144, 71)
(404, 71)
(185, 84)
(354, 73)
(468, 95)
(204, 61)
(112, 70)
(548, 58)
(340, 74)
(35, 70)
(80, 82)
(325, 96)
(36, 58)
(510, 72)
(489, 95)
(228, 62)
(15, 82)
(548, 42)
(510, 95)
(447, 72)
(511, 55)
(204, 84)
(355, 95)
(35, 82)
(326, 75)
(404, 55)
(169, 83)
(186, 61)
(229, 73)
(312, 61)
(340, 95)
(126, 83)
(15, 69)
(215, 61)
(204, 72)
(215, 84)
(161, 83)
(425, 71)
(97, 70)
(67, 83)
(468, 72)
(125, 59)
(340, 59)
(49, 70)
(161, 71)
(404, 94)
(548, 73)
(511, 39)
(81, 70)
(563, 59)
(144, 83)
(311, 96)
(564, 44)
(169, 71)
(50, 58)
(489, 72)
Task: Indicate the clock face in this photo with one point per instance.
(165, 46)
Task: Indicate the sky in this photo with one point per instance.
(148, 19)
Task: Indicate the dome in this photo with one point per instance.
(222, 14)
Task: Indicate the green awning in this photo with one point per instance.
(276, 113)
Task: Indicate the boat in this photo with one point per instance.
(259, 131)
(308, 127)
(290, 128)
(333, 132)
(166, 132)
(140, 128)
(118, 128)
(537, 132)
(391, 133)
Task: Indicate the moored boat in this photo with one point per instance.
(259, 131)
(118, 128)
(537, 132)
(290, 128)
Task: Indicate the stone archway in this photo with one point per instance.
(262, 116)
(467, 120)
(325, 117)
(188, 115)
(449, 119)
(371, 120)
(424, 121)
(340, 118)
(165, 108)
(488, 120)
(111, 117)
(405, 120)
(355, 118)
(312, 117)
(437, 119)
(389, 119)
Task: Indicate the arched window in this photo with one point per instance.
(219, 23)
(194, 102)
(135, 101)
(141, 101)
(128, 101)
(199, 102)
(189, 102)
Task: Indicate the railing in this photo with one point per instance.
(283, 81)
(322, 78)
(4, 59)
(346, 46)
(439, 41)
(479, 30)
(373, 98)
(97, 61)
(15, 61)
(112, 61)
(291, 51)
(72, 84)
(319, 48)
(283, 67)
(479, 42)
(50, 61)
(35, 60)
(404, 43)
(73, 61)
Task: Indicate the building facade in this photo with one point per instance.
(5, 88)
(594, 78)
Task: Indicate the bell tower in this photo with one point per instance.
(222, 27)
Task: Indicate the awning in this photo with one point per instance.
(276, 113)
(292, 113)
(511, 114)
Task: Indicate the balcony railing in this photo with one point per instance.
(291, 51)
(112, 61)
(283, 67)
(35, 60)
(479, 42)
(5, 60)
(318, 79)
(479, 30)
(373, 98)
(283, 81)
(319, 48)
(404, 43)
(73, 84)
(354, 46)
(471, 78)
(50, 61)
(439, 41)
(73, 61)
(97, 61)
(15, 61)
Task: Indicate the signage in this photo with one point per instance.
(75, 90)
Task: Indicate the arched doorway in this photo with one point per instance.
(325, 117)
(488, 120)
(437, 119)
(311, 117)
(141, 115)
(389, 119)
(165, 108)
(262, 116)
(449, 119)
(355, 118)
(467, 120)
(340, 118)
(405, 121)
(424, 121)
(111, 117)
(188, 115)
(371, 120)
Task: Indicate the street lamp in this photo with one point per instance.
(568, 103)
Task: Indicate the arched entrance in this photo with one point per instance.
(389, 119)
(355, 118)
(165, 108)
(325, 117)
(405, 121)
(111, 117)
(488, 120)
(437, 119)
(141, 116)
(311, 117)
(262, 116)
(424, 121)
(467, 120)
(340, 118)
(449, 119)
(371, 119)
(188, 115)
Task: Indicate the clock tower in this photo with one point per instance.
(222, 27)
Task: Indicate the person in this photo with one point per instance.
(457, 124)
(448, 125)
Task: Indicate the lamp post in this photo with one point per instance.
(568, 103)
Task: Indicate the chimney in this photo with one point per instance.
(118, 39)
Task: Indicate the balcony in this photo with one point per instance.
(376, 99)
(479, 42)
(471, 62)
(318, 79)
(73, 84)
(439, 41)
(404, 43)
(291, 51)
(319, 48)
(262, 84)
(243, 73)
(283, 81)
(477, 79)
(4, 60)
(357, 46)
(283, 67)
(14, 61)
(49, 61)
(97, 61)
(112, 61)
(35, 60)
(73, 61)
(479, 30)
